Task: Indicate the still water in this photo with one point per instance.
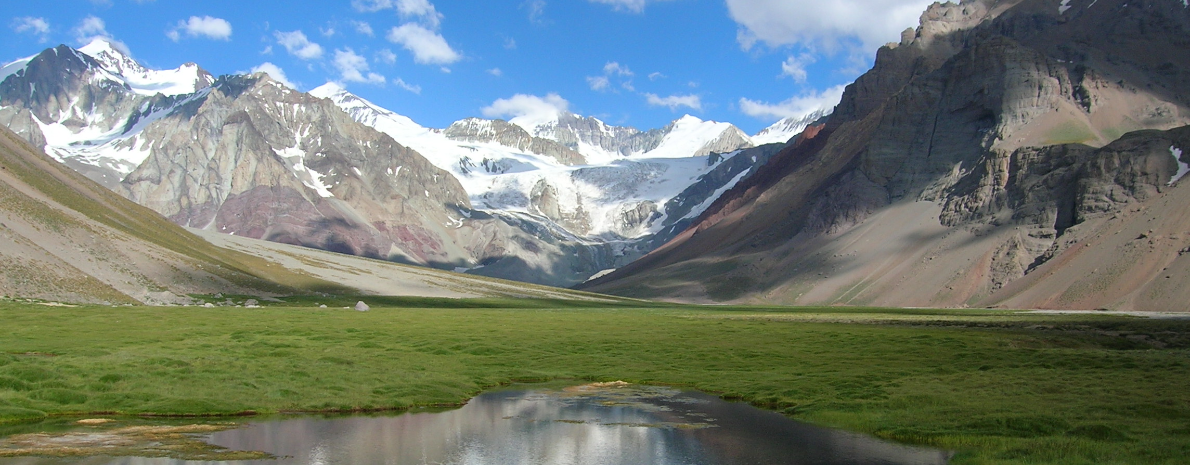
(582, 425)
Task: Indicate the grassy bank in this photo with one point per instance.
(997, 386)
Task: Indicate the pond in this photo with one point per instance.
(604, 424)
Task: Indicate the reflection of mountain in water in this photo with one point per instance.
(647, 425)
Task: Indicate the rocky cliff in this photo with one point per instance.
(993, 141)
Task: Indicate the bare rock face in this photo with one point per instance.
(992, 140)
(511, 135)
(255, 158)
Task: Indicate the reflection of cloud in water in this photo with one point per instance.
(616, 425)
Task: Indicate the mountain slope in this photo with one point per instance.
(67, 238)
(977, 153)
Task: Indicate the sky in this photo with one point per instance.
(640, 63)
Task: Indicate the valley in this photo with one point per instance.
(995, 386)
(979, 247)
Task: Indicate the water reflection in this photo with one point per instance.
(580, 426)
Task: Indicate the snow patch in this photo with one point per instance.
(14, 67)
(1064, 6)
(1183, 167)
(122, 68)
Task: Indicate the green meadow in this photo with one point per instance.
(995, 386)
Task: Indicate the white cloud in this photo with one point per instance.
(328, 32)
(92, 28)
(409, 87)
(428, 47)
(363, 27)
(422, 10)
(509, 43)
(613, 67)
(386, 56)
(634, 6)
(598, 82)
(274, 72)
(796, 107)
(815, 23)
(795, 67)
(206, 26)
(298, 45)
(675, 101)
(627, 85)
(495, 72)
(657, 75)
(354, 68)
(36, 26)
(268, 50)
(536, 9)
(527, 111)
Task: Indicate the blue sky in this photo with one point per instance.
(638, 63)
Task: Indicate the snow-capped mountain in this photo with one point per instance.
(781, 131)
(555, 202)
(623, 197)
(87, 105)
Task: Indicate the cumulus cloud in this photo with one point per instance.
(633, 6)
(814, 23)
(354, 68)
(409, 87)
(598, 82)
(795, 107)
(386, 56)
(363, 27)
(31, 25)
(495, 72)
(298, 45)
(428, 47)
(206, 26)
(613, 67)
(92, 28)
(421, 10)
(274, 72)
(674, 101)
(536, 10)
(657, 75)
(527, 111)
(795, 67)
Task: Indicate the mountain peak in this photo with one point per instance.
(327, 90)
(114, 56)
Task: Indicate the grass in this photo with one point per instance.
(998, 387)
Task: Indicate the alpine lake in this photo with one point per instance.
(592, 424)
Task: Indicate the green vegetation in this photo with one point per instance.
(998, 387)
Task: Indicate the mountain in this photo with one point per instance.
(782, 131)
(246, 155)
(68, 239)
(1011, 153)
